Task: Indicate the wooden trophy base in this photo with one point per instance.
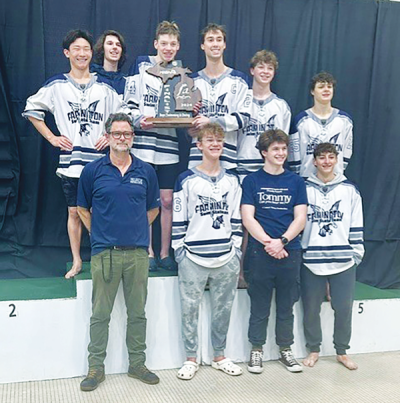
(171, 122)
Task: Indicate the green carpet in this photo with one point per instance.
(57, 288)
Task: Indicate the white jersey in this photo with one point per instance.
(308, 131)
(142, 93)
(80, 112)
(333, 236)
(259, 116)
(207, 226)
(222, 96)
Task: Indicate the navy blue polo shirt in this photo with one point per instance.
(119, 203)
(274, 198)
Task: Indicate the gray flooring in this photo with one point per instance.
(376, 380)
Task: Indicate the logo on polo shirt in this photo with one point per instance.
(137, 181)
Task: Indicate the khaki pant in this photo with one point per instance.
(108, 268)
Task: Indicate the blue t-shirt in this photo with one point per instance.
(119, 203)
(274, 198)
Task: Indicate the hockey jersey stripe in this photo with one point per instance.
(330, 247)
(208, 242)
(327, 260)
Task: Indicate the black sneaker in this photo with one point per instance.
(94, 377)
(153, 265)
(143, 374)
(289, 361)
(255, 364)
(168, 263)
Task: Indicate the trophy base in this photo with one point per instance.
(171, 122)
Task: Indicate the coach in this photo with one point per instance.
(118, 198)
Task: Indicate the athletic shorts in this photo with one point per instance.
(166, 175)
(70, 189)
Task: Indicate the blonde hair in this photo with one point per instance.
(168, 28)
(211, 128)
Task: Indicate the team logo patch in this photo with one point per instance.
(314, 141)
(218, 109)
(255, 128)
(215, 209)
(151, 98)
(85, 117)
(326, 219)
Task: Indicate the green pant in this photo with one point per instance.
(108, 267)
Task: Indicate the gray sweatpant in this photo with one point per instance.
(223, 283)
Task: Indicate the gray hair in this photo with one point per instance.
(118, 117)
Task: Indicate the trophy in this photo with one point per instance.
(178, 96)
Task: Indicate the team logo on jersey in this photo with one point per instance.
(218, 109)
(215, 209)
(255, 128)
(151, 98)
(326, 219)
(314, 141)
(85, 117)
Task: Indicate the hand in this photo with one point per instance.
(196, 108)
(101, 143)
(193, 132)
(281, 255)
(62, 142)
(145, 124)
(200, 121)
(273, 247)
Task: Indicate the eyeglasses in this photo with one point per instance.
(118, 135)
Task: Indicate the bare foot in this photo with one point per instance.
(75, 269)
(347, 361)
(311, 360)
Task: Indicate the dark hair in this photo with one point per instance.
(325, 148)
(271, 136)
(75, 34)
(211, 128)
(322, 77)
(118, 117)
(99, 47)
(212, 27)
(264, 56)
(168, 28)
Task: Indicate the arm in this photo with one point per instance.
(294, 157)
(236, 221)
(275, 246)
(57, 141)
(356, 237)
(179, 221)
(257, 232)
(240, 113)
(132, 97)
(348, 145)
(152, 214)
(252, 225)
(237, 119)
(85, 216)
(287, 116)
